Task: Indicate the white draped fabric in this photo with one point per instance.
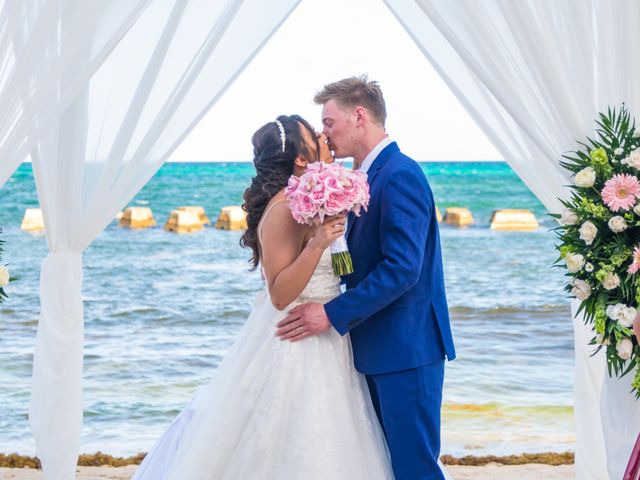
(533, 75)
(38, 80)
(164, 74)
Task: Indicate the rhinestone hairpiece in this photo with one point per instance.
(283, 136)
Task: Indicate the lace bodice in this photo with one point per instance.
(324, 285)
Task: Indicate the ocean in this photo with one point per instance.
(162, 309)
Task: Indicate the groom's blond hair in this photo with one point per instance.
(353, 92)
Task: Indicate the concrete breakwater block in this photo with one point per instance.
(232, 218)
(438, 215)
(514, 220)
(183, 221)
(32, 220)
(199, 211)
(458, 216)
(137, 217)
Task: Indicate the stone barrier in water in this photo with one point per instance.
(458, 216)
(137, 217)
(199, 211)
(32, 220)
(232, 218)
(183, 221)
(514, 220)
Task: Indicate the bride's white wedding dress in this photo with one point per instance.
(277, 410)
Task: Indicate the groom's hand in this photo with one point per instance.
(303, 321)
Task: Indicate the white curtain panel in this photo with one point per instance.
(534, 74)
(37, 78)
(167, 71)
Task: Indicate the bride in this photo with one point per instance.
(276, 409)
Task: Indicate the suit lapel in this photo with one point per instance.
(375, 167)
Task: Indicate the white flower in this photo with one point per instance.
(574, 262)
(617, 224)
(586, 177)
(581, 289)
(588, 232)
(618, 151)
(588, 267)
(567, 217)
(627, 316)
(636, 209)
(636, 133)
(625, 348)
(613, 311)
(4, 276)
(611, 281)
(633, 160)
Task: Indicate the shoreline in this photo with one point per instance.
(99, 459)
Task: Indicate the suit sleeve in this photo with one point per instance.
(404, 219)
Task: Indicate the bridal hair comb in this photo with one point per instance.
(283, 136)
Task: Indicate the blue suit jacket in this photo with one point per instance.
(395, 305)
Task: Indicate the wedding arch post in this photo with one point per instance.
(161, 77)
(534, 75)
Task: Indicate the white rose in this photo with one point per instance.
(611, 281)
(588, 267)
(627, 316)
(613, 311)
(4, 276)
(586, 177)
(588, 232)
(636, 209)
(625, 348)
(618, 151)
(567, 217)
(617, 224)
(633, 160)
(581, 289)
(574, 262)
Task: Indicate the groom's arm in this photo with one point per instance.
(404, 221)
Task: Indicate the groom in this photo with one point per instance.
(395, 306)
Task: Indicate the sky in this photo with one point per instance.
(323, 41)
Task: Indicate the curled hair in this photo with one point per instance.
(353, 92)
(273, 169)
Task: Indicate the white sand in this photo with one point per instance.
(489, 472)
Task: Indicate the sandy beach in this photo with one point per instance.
(487, 472)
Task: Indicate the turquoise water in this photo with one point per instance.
(162, 309)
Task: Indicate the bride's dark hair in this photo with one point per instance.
(273, 169)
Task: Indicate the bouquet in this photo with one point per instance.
(327, 190)
(600, 238)
(5, 277)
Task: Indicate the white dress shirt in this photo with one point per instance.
(373, 154)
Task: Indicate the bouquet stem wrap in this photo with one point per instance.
(340, 257)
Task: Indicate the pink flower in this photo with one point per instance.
(621, 191)
(635, 266)
(338, 202)
(326, 189)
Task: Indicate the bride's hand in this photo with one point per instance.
(328, 231)
(636, 327)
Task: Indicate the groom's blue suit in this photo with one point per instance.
(396, 310)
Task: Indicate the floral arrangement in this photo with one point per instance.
(5, 277)
(600, 238)
(327, 190)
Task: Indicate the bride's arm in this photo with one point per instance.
(288, 264)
